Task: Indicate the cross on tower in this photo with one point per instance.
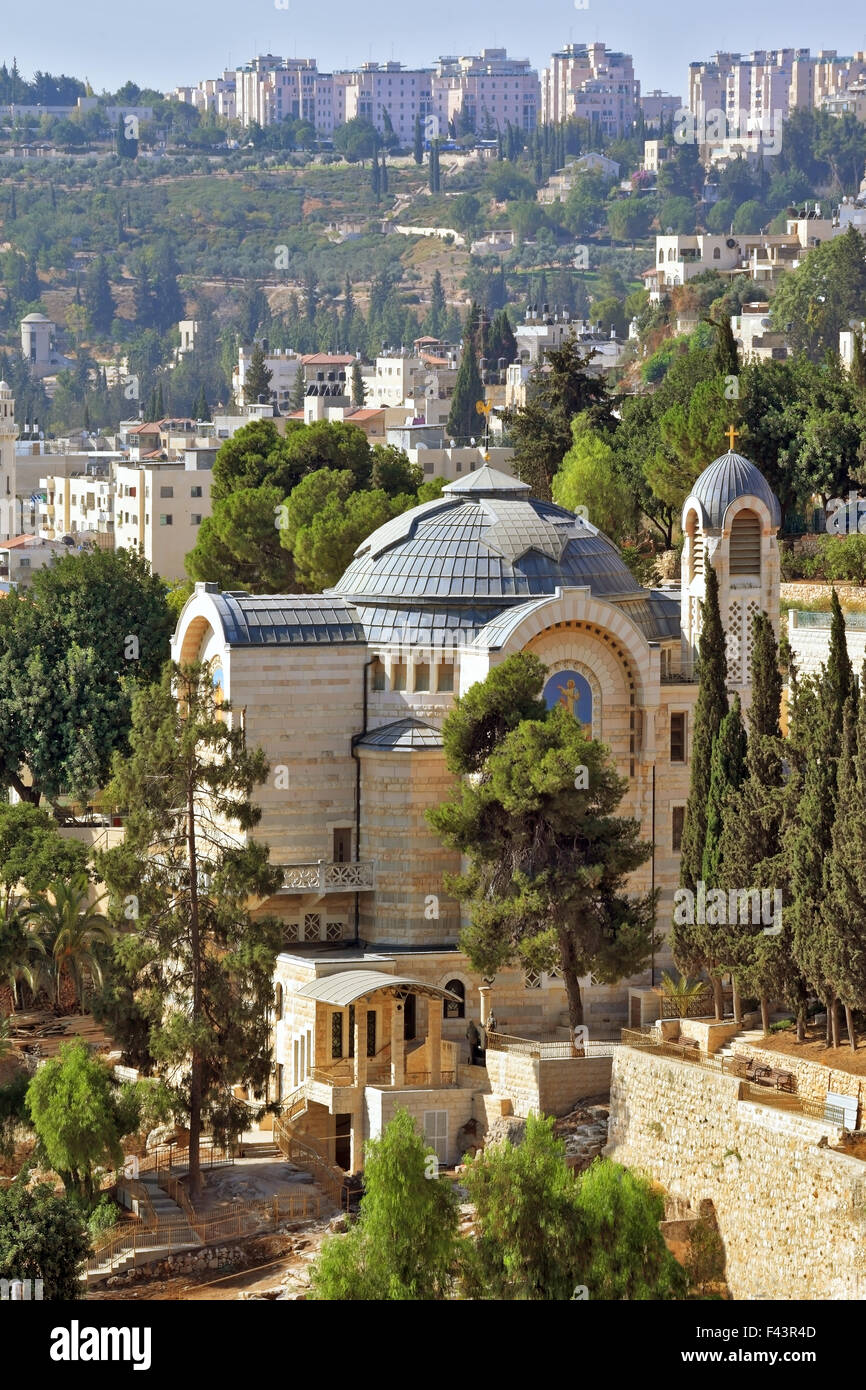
(732, 435)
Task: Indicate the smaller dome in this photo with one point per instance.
(725, 480)
(35, 318)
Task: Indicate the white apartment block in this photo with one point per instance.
(753, 89)
(491, 88)
(589, 82)
(79, 505)
(20, 556)
(761, 256)
(158, 508)
(283, 365)
(754, 335)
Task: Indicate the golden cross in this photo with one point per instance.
(732, 435)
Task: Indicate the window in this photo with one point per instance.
(166, 492)
(195, 492)
(422, 676)
(195, 519)
(436, 1132)
(312, 926)
(532, 979)
(746, 543)
(336, 1034)
(278, 1002)
(164, 520)
(377, 675)
(455, 1008)
(678, 738)
(717, 255)
(398, 676)
(342, 845)
(445, 680)
(147, 518)
(678, 818)
(24, 564)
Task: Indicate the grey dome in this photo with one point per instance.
(727, 478)
(485, 541)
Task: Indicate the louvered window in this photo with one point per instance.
(746, 544)
(696, 546)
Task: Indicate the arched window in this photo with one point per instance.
(455, 1008)
(278, 1002)
(671, 254)
(717, 255)
(377, 675)
(661, 254)
(746, 543)
(696, 546)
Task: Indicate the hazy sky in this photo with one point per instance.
(162, 43)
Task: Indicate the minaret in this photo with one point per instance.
(8, 468)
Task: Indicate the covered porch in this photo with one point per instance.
(363, 1040)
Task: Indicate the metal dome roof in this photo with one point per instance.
(486, 541)
(725, 480)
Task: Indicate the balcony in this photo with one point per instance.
(329, 876)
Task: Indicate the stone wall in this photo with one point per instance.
(460, 1106)
(810, 645)
(549, 1087)
(814, 1079)
(785, 1206)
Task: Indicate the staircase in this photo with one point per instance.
(171, 1233)
(752, 1036)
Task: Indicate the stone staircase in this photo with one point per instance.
(752, 1036)
(153, 1242)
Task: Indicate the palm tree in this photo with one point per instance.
(71, 931)
(682, 993)
(22, 953)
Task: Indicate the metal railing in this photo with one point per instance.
(304, 1154)
(531, 1047)
(242, 1218)
(796, 1104)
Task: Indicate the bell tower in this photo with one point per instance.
(730, 521)
(8, 471)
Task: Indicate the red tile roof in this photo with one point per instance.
(327, 359)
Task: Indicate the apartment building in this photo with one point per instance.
(657, 106)
(20, 556)
(283, 365)
(158, 508)
(591, 83)
(761, 256)
(79, 505)
(489, 91)
(754, 88)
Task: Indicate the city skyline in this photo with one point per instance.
(231, 38)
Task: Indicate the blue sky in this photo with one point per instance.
(165, 42)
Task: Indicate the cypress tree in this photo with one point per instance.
(201, 409)
(258, 377)
(845, 902)
(809, 841)
(688, 941)
(375, 177)
(727, 770)
(750, 846)
(838, 680)
(418, 146)
(468, 387)
(359, 391)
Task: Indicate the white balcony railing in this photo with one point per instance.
(329, 877)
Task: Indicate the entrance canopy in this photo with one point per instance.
(347, 986)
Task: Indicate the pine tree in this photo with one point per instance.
(468, 388)
(418, 145)
(710, 709)
(203, 963)
(257, 382)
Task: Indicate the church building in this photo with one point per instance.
(347, 691)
